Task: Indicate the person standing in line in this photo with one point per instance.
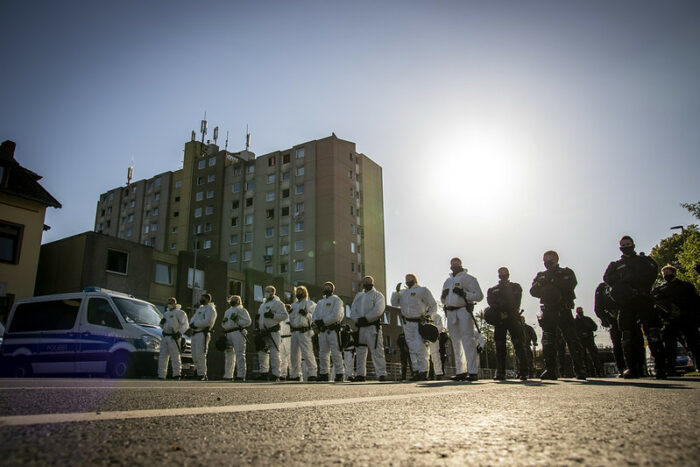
(459, 293)
(270, 314)
(585, 327)
(201, 324)
(300, 319)
(436, 368)
(366, 311)
(327, 317)
(236, 320)
(174, 324)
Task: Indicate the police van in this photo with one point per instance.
(95, 331)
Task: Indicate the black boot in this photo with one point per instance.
(322, 377)
(500, 361)
(549, 352)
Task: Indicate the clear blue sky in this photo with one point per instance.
(504, 128)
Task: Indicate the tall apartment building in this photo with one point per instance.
(310, 213)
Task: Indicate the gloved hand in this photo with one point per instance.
(362, 321)
(459, 291)
(319, 323)
(398, 287)
(302, 312)
(444, 294)
(269, 314)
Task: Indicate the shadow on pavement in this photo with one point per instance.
(634, 383)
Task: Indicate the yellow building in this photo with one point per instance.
(23, 203)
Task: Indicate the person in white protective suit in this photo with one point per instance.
(201, 325)
(459, 293)
(434, 347)
(327, 317)
(301, 345)
(174, 325)
(417, 305)
(271, 313)
(366, 311)
(236, 320)
(285, 345)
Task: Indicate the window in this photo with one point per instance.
(128, 233)
(285, 158)
(149, 198)
(109, 210)
(173, 246)
(249, 185)
(270, 196)
(352, 211)
(385, 317)
(283, 268)
(110, 197)
(148, 213)
(150, 186)
(249, 219)
(352, 267)
(212, 161)
(178, 184)
(155, 212)
(350, 174)
(234, 239)
(299, 266)
(235, 204)
(132, 204)
(176, 214)
(251, 169)
(299, 227)
(247, 255)
(202, 164)
(284, 230)
(211, 178)
(174, 229)
(269, 250)
(133, 189)
(209, 210)
(271, 178)
(284, 249)
(247, 237)
(299, 189)
(10, 242)
(352, 192)
(257, 293)
(352, 247)
(156, 196)
(234, 221)
(285, 176)
(123, 221)
(285, 193)
(117, 261)
(269, 269)
(300, 208)
(197, 275)
(199, 196)
(210, 194)
(269, 214)
(350, 156)
(300, 153)
(207, 227)
(237, 170)
(285, 211)
(198, 212)
(300, 171)
(236, 188)
(352, 229)
(299, 245)
(164, 273)
(51, 315)
(154, 227)
(233, 257)
(200, 180)
(269, 232)
(271, 161)
(198, 229)
(146, 229)
(207, 244)
(248, 202)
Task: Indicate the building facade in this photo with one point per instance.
(308, 214)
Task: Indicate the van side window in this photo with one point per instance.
(51, 315)
(100, 313)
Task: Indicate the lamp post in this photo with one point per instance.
(675, 227)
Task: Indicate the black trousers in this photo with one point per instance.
(684, 326)
(590, 355)
(561, 318)
(638, 311)
(512, 326)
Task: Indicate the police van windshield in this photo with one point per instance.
(138, 312)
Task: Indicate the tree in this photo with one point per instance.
(688, 257)
(693, 208)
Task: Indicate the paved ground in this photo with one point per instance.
(601, 421)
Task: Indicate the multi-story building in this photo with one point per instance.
(310, 213)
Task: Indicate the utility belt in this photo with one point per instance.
(287, 335)
(333, 327)
(373, 323)
(301, 329)
(275, 328)
(200, 331)
(469, 306)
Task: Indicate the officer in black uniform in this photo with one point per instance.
(555, 289)
(504, 299)
(585, 327)
(679, 304)
(630, 279)
(530, 345)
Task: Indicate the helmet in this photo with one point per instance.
(220, 343)
(428, 331)
(491, 316)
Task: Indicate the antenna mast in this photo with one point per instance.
(226, 147)
(247, 138)
(204, 127)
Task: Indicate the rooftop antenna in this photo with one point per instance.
(226, 147)
(247, 138)
(194, 136)
(130, 173)
(216, 133)
(204, 127)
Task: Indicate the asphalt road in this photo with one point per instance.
(99, 421)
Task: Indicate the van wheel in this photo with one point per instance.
(120, 365)
(21, 368)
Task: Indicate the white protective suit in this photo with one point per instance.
(435, 346)
(416, 303)
(175, 323)
(331, 311)
(202, 322)
(301, 345)
(269, 360)
(460, 322)
(285, 348)
(370, 305)
(236, 319)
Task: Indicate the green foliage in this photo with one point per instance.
(666, 252)
(688, 256)
(693, 208)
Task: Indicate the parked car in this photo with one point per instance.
(95, 331)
